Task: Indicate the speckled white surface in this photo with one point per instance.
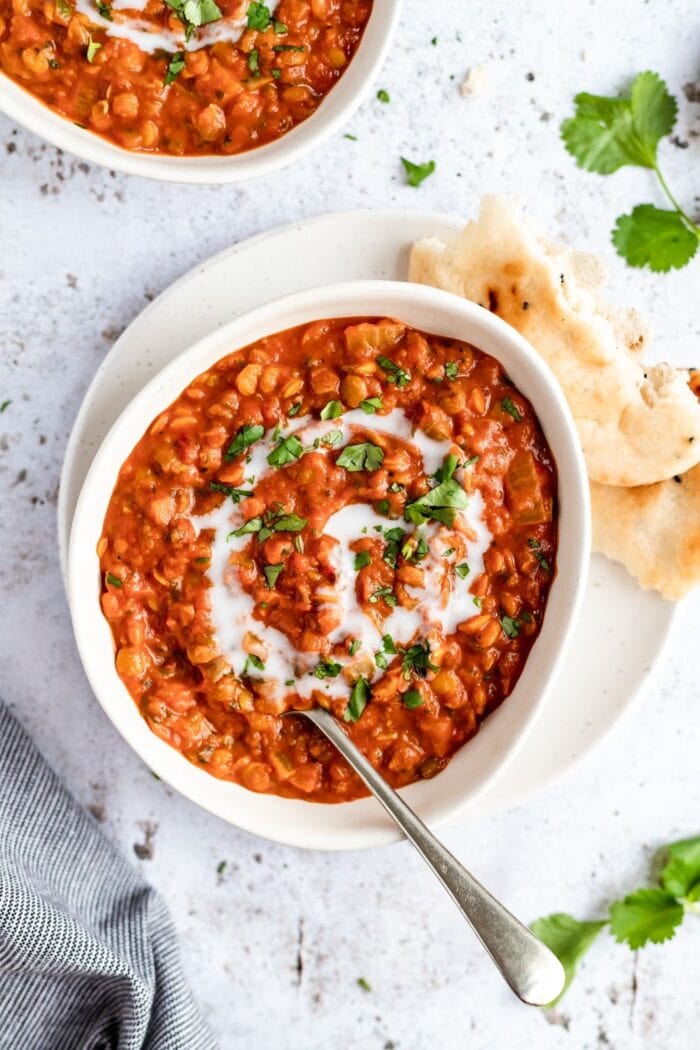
(274, 945)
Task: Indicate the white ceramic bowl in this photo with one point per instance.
(362, 823)
(335, 110)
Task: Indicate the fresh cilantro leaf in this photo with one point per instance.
(358, 700)
(362, 559)
(254, 62)
(508, 406)
(288, 450)
(351, 138)
(258, 16)
(229, 490)
(354, 646)
(383, 95)
(361, 457)
(416, 660)
(394, 538)
(511, 627)
(569, 939)
(445, 472)
(462, 570)
(287, 522)
(254, 525)
(681, 870)
(174, 68)
(364, 984)
(388, 645)
(396, 375)
(382, 592)
(254, 661)
(280, 28)
(655, 237)
(245, 437)
(332, 410)
(113, 581)
(272, 573)
(412, 699)
(332, 438)
(104, 9)
(607, 133)
(221, 867)
(440, 503)
(371, 405)
(534, 546)
(287, 47)
(92, 49)
(451, 369)
(195, 13)
(294, 409)
(327, 669)
(417, 173)
(414, 549)
(645, 915)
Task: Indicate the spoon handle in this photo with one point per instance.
(533, 972)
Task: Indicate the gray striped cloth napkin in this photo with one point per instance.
(88, 954)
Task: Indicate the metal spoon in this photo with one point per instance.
(533, 972)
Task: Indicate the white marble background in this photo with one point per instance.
(275, 945)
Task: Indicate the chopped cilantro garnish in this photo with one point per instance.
(195, 13)
(440, 503)
(417, 173)
(388, 645)
(508, 406)
(92, 49)
(280, 28)
(446, 471)
(245, 437)
(331, 410)
(382, 592)
(174, 68)
(287, 47)
(364, 984)
(249, 527)
(412, 699)
(258, 16)
(104, 9)
(381, 661)
(395, 374)
(288, 450)
(534, 546)
(294, 409)
(272, 572)
(371, 405)
(362, 559)
(354, 646)
(511, 627)
(358, 700)
(327, 669)
(382, 506)
(451, 369)
(230, 490)
(254, 62)
(361, 457)
(114, 581)
(462, 570)
(416, 660)
(383, 95)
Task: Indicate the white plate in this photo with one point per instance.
(623, 630)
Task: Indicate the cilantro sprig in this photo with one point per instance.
(606, 134)
(650, 915)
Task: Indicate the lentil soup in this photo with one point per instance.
(351, 513)
(181, 77)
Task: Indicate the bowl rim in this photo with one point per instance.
(270, 816)
(336, 108)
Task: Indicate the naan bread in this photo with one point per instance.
(638, 424)
(654, 531)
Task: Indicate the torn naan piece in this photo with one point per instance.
(638, 424)
(654, 531)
